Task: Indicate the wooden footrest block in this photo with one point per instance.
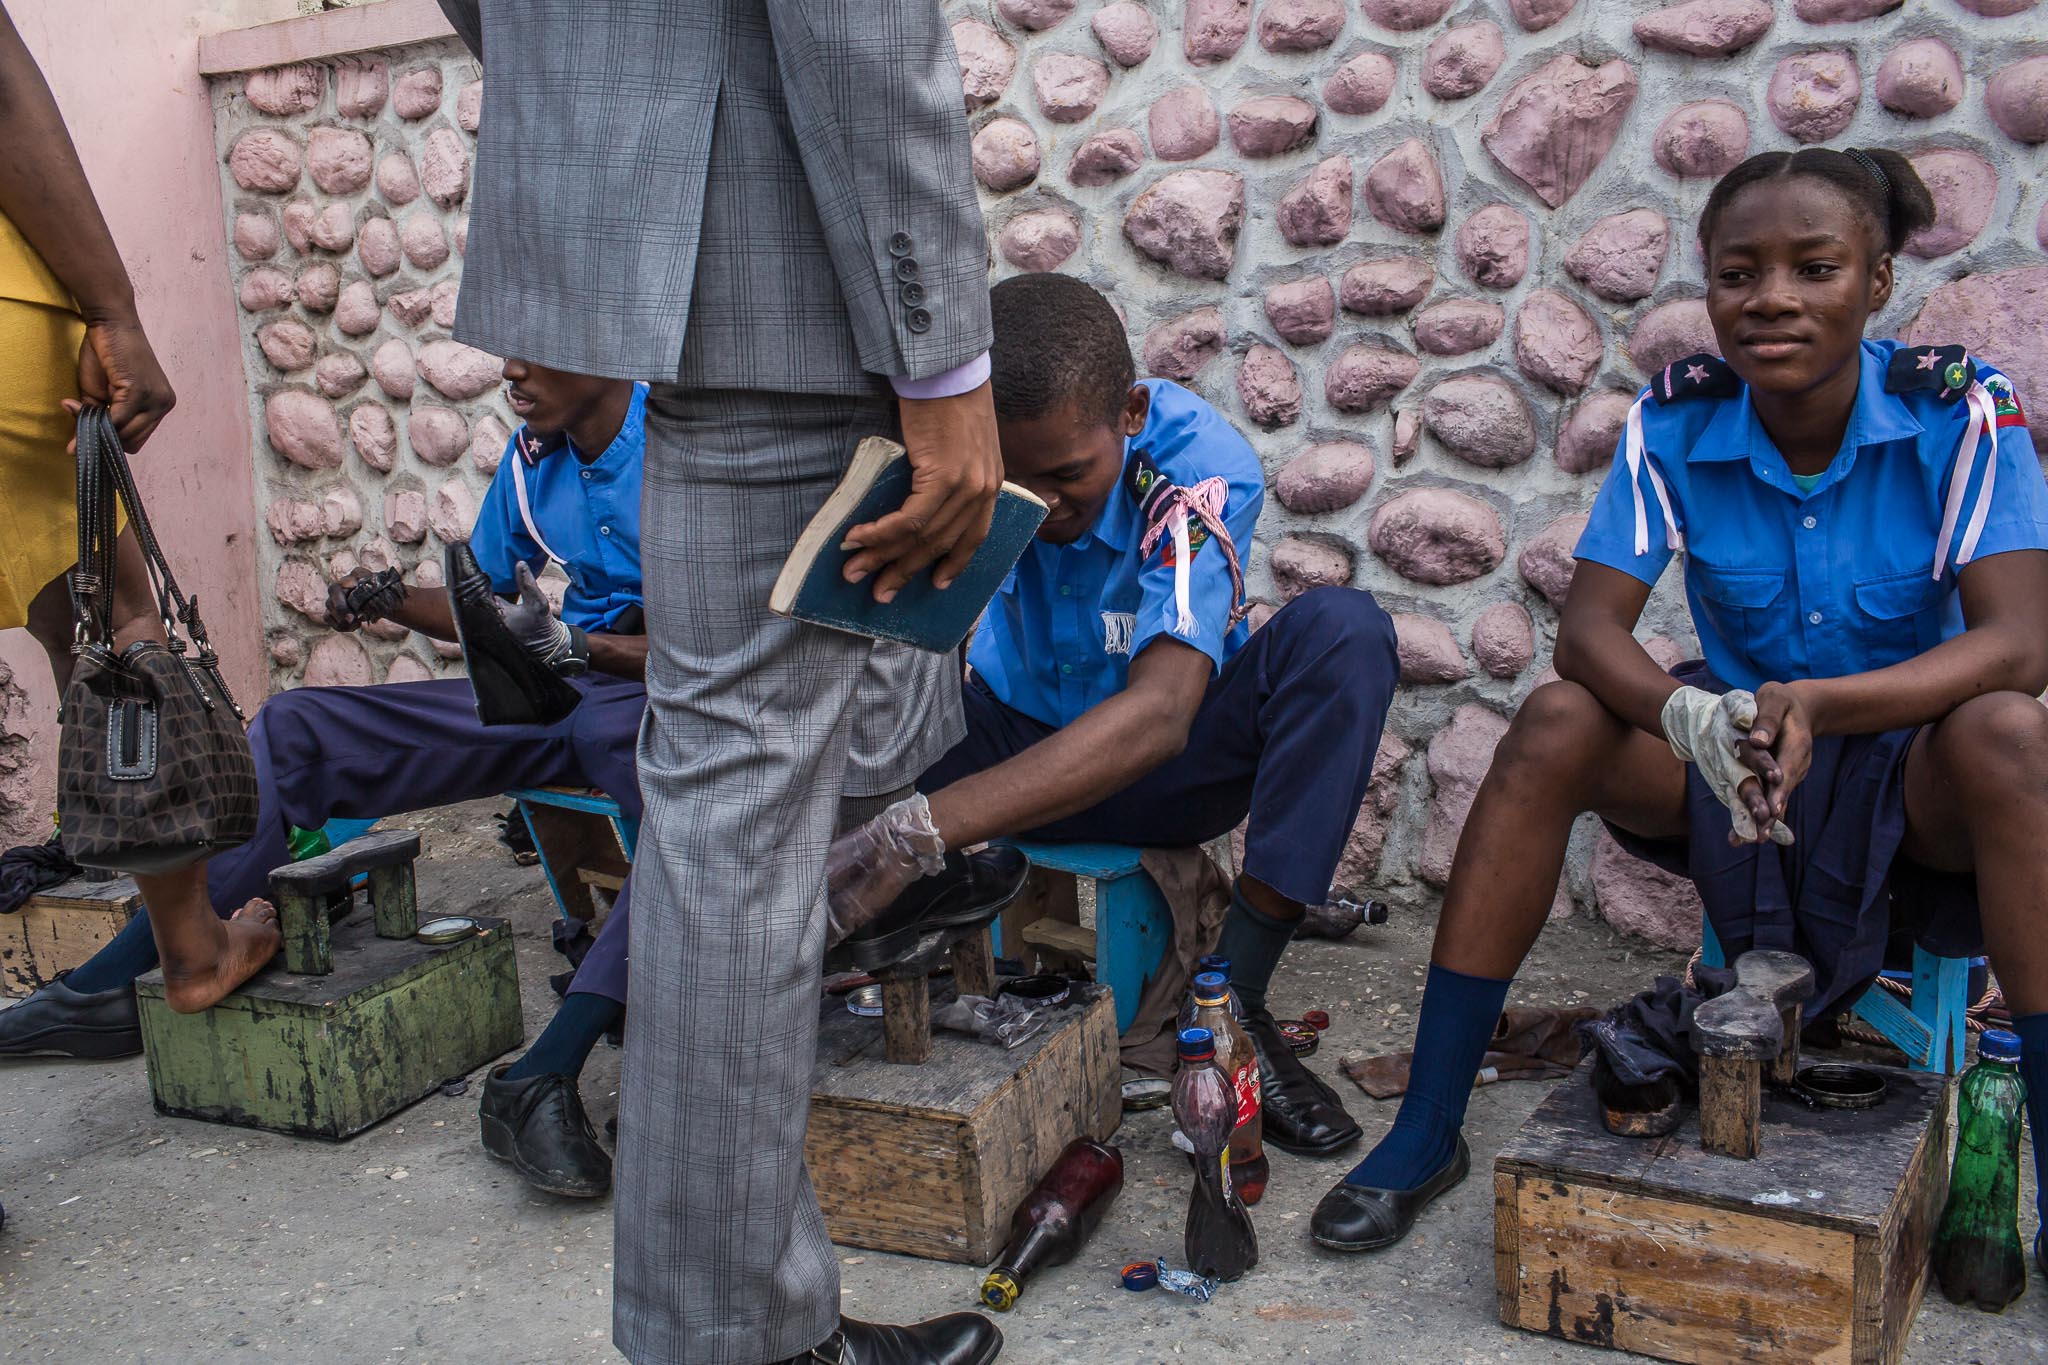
(60, 928)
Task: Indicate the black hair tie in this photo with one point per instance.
(1869, 163)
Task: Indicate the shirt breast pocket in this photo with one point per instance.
(1742, 604)
(1901, 615)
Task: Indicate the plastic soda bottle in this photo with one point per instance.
(1977, 1253)
(1249, 1167)
(1057, 1218)
(307, 843)
(1211, 963)
(1220, 1242)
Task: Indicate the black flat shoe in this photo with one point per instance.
(1360, 1218)
(57, 1021)
(972, 890)
(538, 1125)
(1301, 1113)
(956, 1339)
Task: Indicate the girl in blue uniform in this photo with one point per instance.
(1863, 526)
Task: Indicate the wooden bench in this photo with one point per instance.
(1133, 923)
(584, 842)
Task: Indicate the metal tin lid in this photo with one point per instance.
(1039, 990)
(1301, 1038)
(866, 1001)
(1998, 1045)
(447, 929)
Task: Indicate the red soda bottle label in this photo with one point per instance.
(1246, 1082)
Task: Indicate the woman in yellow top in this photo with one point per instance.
(69, 332)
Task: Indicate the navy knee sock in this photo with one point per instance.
(1252, 940)
(2033, 1032)
(127, 955)
(1458, 1017)
(565, 1043)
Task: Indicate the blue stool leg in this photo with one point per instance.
(1710, 945)
(1941, 1001)
(1133, 932)
(629, 834)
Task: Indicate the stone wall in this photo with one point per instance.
(1424, 257)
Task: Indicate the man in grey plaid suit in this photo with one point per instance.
(766, 208)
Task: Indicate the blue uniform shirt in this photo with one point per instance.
(1062, 631)
(1855, 574)
(589, 514)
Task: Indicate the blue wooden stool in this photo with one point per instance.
(583, 841)
(1133, 925)
(1930, 1030)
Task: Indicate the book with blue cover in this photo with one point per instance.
(812, 585)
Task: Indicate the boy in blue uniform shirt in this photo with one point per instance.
(1863, 526)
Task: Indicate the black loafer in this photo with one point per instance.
(57, 1021)
(1360, 1218)
(511, 686)
(538, 1125)
(972, 890)
(1301, 1113)
(956, 1339)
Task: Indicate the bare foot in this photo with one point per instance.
(247, 940)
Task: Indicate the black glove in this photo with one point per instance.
(372, 598)
(562, 647)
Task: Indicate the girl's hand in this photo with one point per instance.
(117, 368)
(1780, 747)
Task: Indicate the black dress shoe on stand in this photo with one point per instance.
(1301, 1114)
(1361, 1218)
(57, 1021)
(972, 890)
(538, 1125)
(956, 1339)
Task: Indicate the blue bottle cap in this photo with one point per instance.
(1997, 1045)
(1211, 983)
(1214, 962)
(1197, 1044)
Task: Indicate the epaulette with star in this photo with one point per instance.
(1696, 376)
(1945, 371)
(1146, 485)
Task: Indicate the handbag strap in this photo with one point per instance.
(92, 581)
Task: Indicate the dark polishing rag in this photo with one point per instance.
(1529, 1043)
(31, 868)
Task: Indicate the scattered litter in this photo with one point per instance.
(454, 1086)
(203, 1151)
(400, 1174)
(1200, 1288)
(72, 1200)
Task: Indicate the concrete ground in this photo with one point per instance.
(135, 1237)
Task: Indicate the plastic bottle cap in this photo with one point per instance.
(1998, 1045)
(1141, 1275)
(1197, 1044)
(999, 1291)
(1213, 963)
(1211, 983)
(1319, 1020)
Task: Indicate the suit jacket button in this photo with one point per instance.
(912, 294)
(919, 320)
(906, 269)
(900, 244)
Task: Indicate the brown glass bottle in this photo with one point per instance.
(1057, 1218)
(1239, 1061)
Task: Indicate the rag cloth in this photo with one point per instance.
(1530, 1043)
(1650, 1037)
(31, 868)
(1197, 893)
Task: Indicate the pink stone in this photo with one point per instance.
(1460, 61)
(1621, 256)
(1813, 95)
(1536, 15)
(287, 344)
(405, 516)
(445, 295)
(1005, 154)
(469, 107)
(355, 312)
(338, 661)
(341, 512)
(1672, 331)
(264, 161)
(1404, 189)
(1437, 535)
(1300, 25)
(377, 246)
(1035, 14)
(1272, 125)
(1407, 436)
(1557, 343)
(1493, 247)
(987, 63)
(374, 435)
(298, 219)
(333, 228)
(458, 371)
(2041, 229)
(1457, 326)
(1557, 124)
(1705, 28)
(1459, 755)
(397, 181)
(1364, 377)
(380, 554)
(1997, 9)
(1589, 436)
(438, 436)
(1179, 347)
(318, 287)
(1481, 420)
(391, 366)
(1383, 288)
(425, 245)
(360, 88)
(1360, 86)
(256, 237)
(285, 91)
(1405, 16)
(1504, 640)
(1069, 87)
(338, 159)
(1188, 221)
(1920, 79)
(461, 235)
(1964, 188)
(410, 308)
(1325, 478)
(1428, 651)
(1107, 156)
(444, 167)
(1844, 11)
(1546, 562)
(263, 289)
(407, 668)
(1213, 30)
(2002, 317)
(1269, 387)
(301, 587)
(1640, 898)
(1126, 31)
(1317, 211)
(292, 520)
(2017, 96)
(1298, 565)
(1183, 124)
(417, 93)
(303, 428)
(1706, 139)
(1303, 312)
(453, 513)
(1360, 861)
(287, 651)
(487, 444)
(1040, 239)
(338, 375)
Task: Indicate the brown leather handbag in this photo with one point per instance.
(154, 770)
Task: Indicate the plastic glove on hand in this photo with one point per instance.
(559, 645)
(868, 867)
(1708, 731)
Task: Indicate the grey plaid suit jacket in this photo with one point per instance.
(732, 194)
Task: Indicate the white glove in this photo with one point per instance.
(1707, 730)
(868, 866)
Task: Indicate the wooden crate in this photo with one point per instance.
(1817, 1250)
(60, 928)
(932, 1160)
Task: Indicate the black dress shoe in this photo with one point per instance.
(972, 889)
(1361, 1218)
(57, 1021)
(956, 1339)
(1300, 1112)
(538, 1125)
(511, 686)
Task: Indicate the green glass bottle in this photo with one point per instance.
(307, 843)
(1977, 1253)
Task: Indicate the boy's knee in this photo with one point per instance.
(1552, 726)
(1995, 745)
(1349, 620)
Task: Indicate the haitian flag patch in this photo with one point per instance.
(2005, 402)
